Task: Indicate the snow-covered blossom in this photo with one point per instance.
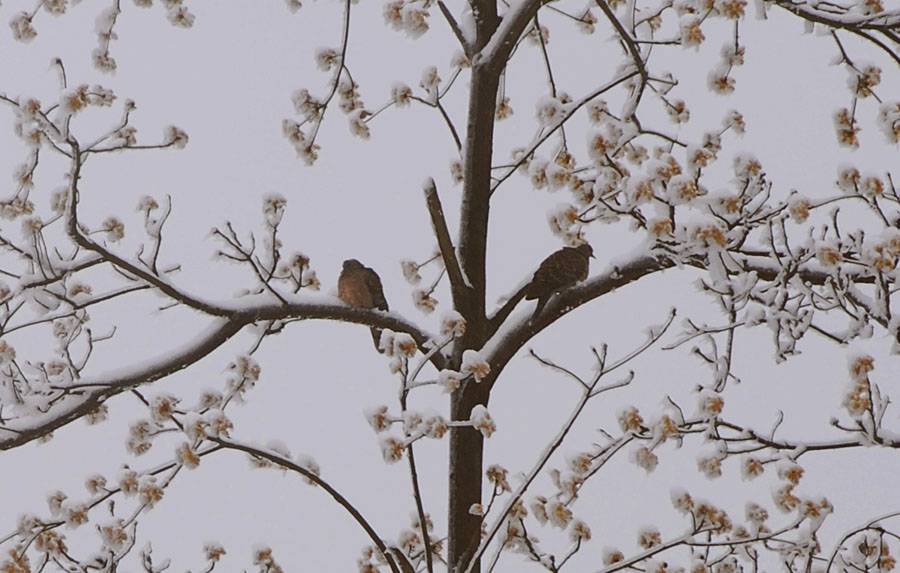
(114, 534)
(710, 403)
(175, 137)
(580, 463)
(860, 365)
(710, 466)
(476, 366)
(100, 414)
(732, 56)
(459, 60)
(457, 175)
(114, 229)
(599, 145)
(733, 9)
(871, 186)
(430, 79)
(217, 424)
(55, 502)
(678, 111)
(644, 458)
(630, 420)
(784, 498)
(435, 427)
(612, 555)
(846, 128)
(735, 122)
(149, 492)
(401, 94)
(798, 207)
(649, 537)
(889, 121)
(450, 380)
(720, 81)
(358, 125)
(497, 474)
(423, 301)
(306, 105)
(790, 471)
(452, 324)
(128, 482)
(186, 456)
(755, 513)
(682, 500)
(481, 420)
(828, 253)
(7, 352)
(392, 449)
(405, 345)
(539, 509)
(327, 58)
(95, 484)
(21, 26)
(51, 543)
(213, 551)
(503, 110)
(691, 34)
(746, 166)
(684, 189)
(710, 234)
(412, 420)
(586, 22)
(378, 418)
(862, 81)
(751, 468)
(75, 514)
(598, 111)
(559, 514)
(562, 219)
(537, 171)
(180, 16)
(848, 178)
(549, 111)
(579, 531)
(162, 407)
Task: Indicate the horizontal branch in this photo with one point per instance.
(92, 393)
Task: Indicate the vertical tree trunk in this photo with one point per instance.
(466, 461)
(467, 444)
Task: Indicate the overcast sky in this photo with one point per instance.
(227, 82)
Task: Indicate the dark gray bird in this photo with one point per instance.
(559, 271)
(360, 287)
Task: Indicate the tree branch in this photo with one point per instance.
(335, 494)
(458, 285)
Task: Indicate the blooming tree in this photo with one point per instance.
(622, 154)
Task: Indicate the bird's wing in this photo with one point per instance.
(354, 290)
(376, 291)
(547, 278)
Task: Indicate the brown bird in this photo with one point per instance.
(360, 287)
(560, 270)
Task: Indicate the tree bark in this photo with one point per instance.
(467, 444)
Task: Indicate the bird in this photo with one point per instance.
(560, 270)
(360, 287)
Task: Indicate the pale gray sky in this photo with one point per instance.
(227, 82)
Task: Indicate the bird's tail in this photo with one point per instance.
(376, 338)
(541, 303)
